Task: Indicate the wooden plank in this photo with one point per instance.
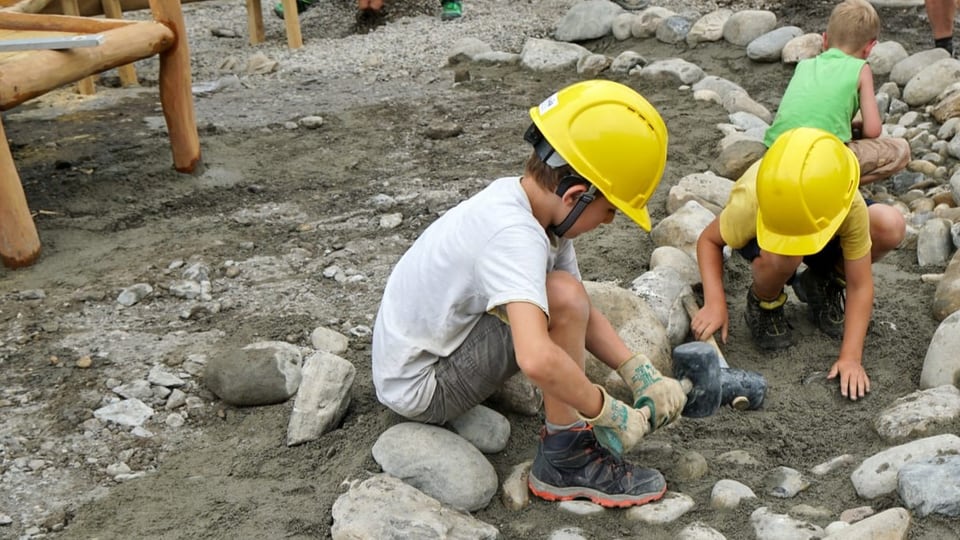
(53, 43)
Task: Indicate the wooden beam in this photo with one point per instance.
(291, 20)
(37, 72)
(128, 74)
(255, 22)
(176, 96)
(19, 242)
(87, 85)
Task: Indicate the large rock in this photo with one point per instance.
(801, 48)
(948, 104)
(941, 365)
(877, 475)
(709, 27)
(745, 26)
(735, 159)
(769, 46)
(383, 506)
(884, 56)
(927, 84)
(634, 320)
(322, 399)
(587, 20)
(438, 462)
(905, 69)
(946, 299)
(261, 373)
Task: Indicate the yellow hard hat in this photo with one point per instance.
(805, 186)
(611, 136)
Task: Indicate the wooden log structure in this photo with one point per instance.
(89, 8)
(28, 74)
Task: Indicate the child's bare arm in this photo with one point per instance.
(714, 314)
(869, 111)
(854, 382)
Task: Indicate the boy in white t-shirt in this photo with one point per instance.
(493, 287)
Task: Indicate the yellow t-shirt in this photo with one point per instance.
(738, 220)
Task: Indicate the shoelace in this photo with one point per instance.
(608, 458)
(775, 323)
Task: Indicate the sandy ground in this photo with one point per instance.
(116, 214)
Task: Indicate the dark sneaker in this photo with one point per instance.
(572, 465)
(767, 322)
(825, 296)
(451, 9)
(302, 5)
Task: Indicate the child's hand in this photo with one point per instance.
(708, 320)
(854, 382)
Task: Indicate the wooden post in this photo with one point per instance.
(255, 22)
(291, 20)
(19, 243)
(176, 97)
(128, 74)
(86, 86)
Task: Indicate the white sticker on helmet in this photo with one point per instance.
(548, 104)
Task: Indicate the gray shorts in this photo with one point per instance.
(470, 375)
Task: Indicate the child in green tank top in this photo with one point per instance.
(834, 92)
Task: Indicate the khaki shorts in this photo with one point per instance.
(470, 375)
(881, 157)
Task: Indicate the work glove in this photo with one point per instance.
(619, 427)
(662, 395)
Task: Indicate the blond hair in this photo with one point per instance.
(853, 25)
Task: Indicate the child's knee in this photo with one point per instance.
(887, 226)
(566, 296)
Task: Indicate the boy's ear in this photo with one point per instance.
(825, 45)
(573, 191)
(869, 47)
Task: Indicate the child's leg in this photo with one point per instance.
(880, 158)
(887, 229)
(470, 375)
(569, 316)
(771, 272)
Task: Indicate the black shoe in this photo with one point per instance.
(767, 322)
(825, 296)
(572, 465)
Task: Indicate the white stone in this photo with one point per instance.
(667, 510)
(877, 475)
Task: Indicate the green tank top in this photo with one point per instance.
(822, 94)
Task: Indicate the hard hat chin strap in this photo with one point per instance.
(586, 198)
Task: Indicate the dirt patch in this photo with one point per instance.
(114, 214)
